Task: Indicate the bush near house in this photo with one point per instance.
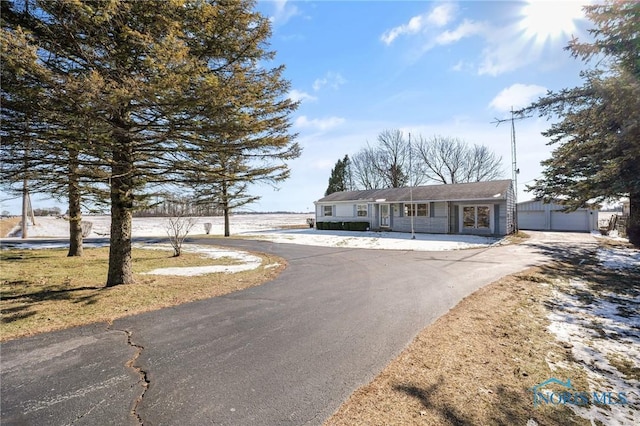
(342, 226)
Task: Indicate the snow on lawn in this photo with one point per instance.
(619, 258)
(157, 227)
(603, 329)
(271, 227)
(376, 240)
(244, 261)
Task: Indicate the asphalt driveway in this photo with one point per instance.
(287, 352)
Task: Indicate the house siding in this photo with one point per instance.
(498, 218)
(435, 223)
(444, 215)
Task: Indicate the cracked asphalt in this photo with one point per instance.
(287, 352)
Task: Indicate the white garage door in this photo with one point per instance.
(533, 220)
(574, 221)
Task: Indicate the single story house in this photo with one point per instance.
(481, 208)
(536, 215)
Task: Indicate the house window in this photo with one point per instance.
(478, 217)
(361, 210)
(328, 210)
(416, 210)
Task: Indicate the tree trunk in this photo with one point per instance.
(75, 213)
(120, 262)
(633, 225)
(25, 208)
(225, 210)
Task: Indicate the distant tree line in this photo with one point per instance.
(110, 103)
(173, 205)
(47, 211)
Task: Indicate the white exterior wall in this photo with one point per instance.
(343, 212)
(435, 223)
(538, 216)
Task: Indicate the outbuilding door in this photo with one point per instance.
(573, 221)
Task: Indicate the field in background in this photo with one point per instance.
(50, 226)
(7, 224)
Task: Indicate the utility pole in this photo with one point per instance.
(411, 209)
(514, 165)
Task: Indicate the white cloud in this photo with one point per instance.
(439, 16)
(317, 123)
(330, 79)
(284, 11)
(517, 96)
(505, 51)
(442, 14)
(466, 29)
(298, 95)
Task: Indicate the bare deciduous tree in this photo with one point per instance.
(452, 160)
(364, 173)
(392, 158)
(178, 227)
(387, 164)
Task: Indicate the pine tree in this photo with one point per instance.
(340, 179)
(159, 79)
(597, 154)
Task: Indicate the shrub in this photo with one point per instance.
(358, 226)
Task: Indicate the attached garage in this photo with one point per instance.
(538, 216)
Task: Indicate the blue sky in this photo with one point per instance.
(427, 68)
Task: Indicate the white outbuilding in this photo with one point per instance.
(535, 215)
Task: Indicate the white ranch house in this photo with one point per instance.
(481, 208)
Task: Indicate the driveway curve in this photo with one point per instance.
(287, 352)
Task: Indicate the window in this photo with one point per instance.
(416, 210)
(469, 217)
(483, 217)
(327, 210)
(361, 210)
(478, 217)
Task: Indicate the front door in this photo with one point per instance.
(384, 215)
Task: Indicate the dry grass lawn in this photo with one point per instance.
(44, 290)
(7, 224)
(476, 365)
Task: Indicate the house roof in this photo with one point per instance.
(496, 189)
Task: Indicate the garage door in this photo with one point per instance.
(533, 220)
(574, 221)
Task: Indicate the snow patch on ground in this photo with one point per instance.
(271, 227)
(246, 261)
(601, 326)
(375, 240)
(619, 258)
(157, 226)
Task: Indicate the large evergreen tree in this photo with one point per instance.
(597, 154)
(157, 77)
